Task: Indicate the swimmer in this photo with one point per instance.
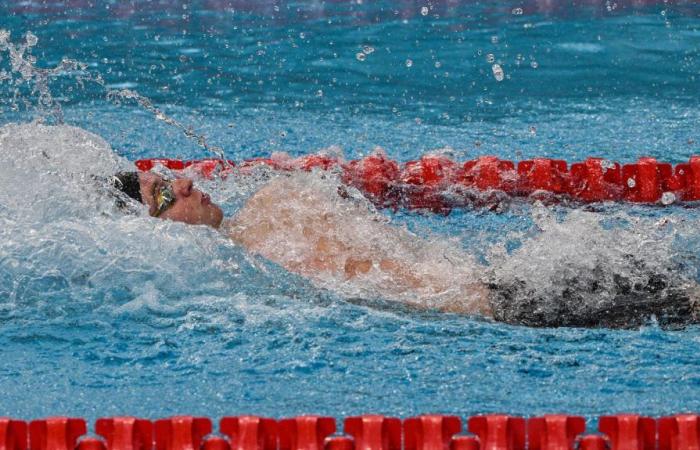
(315, 233)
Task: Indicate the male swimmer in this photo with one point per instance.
(315, 233)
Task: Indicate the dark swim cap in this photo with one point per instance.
(128, 183)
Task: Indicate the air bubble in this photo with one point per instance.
(497, 72)
(667, 198)
(424, 11)
(490, 58)
(631, 183)
(367, 50)
(517, 11)
(534, 64)
(360, 56)
(409, 63)
(494, 39)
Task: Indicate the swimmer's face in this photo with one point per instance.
(188, 205)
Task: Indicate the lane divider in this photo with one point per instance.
(367, 432)
(437, 183)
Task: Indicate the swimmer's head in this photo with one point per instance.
(129, 184)
(169, 199)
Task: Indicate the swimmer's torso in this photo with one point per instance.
(306, 227)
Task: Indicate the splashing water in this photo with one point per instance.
(127, 94)
(23, 63)
(128, 314)
(48, 108)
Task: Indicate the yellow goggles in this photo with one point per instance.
(164, 199)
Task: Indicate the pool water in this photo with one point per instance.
(102, 314)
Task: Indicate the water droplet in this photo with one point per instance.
(409, 63)
(31, 39)
(667, 198)
(367, 50)
(517, 11)
(438, 64)
(497, 72)
(631, 183)
(319, 93)
(534, 64)
(424, 11)
(360, 56)
(490, 58)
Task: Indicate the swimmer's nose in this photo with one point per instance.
(183, 186)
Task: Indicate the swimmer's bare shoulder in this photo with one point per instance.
(317, 234)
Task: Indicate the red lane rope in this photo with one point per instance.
(367, 432)
(436, 182)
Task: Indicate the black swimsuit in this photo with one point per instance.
(598, 298)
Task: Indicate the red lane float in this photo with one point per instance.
(499, 432)
(681, 432)
(430, 432)
(629, 431)
(125, 433)
(13, 434)
(464, 443)
(250, 432)
(373, 432)
(554, 432)
(367, 432)
(339, 443)
(91, 444)
(437, 183)
(181, 432)
(305, 432)
(56, 433)
(593, 442)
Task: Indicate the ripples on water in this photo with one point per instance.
(102, 313)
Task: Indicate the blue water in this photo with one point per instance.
(128, 317)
